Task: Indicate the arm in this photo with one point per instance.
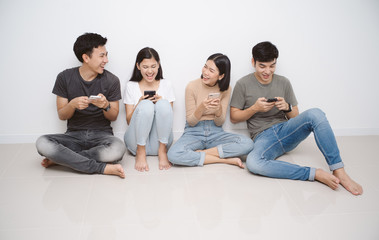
(102, 103)
(239, 115)
(67, 109)
(282, 105)
(129, 109)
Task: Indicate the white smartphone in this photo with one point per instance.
(213, 95)
(93, 97)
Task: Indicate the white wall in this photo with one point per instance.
(328, 49)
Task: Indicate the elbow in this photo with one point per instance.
(233, 119)
(62, 117)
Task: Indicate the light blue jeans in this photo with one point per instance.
(284, 137)
(151, 124)
(85, 151)
(207, 135)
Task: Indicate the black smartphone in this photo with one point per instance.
(272, 100)
(150, 93)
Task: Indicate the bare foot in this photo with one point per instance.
(114, 169)
(164, 164)
(348, 183)
(235, 161)
(141, 163)
(47, 163)
(327, 179)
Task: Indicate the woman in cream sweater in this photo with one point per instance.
(204, 141)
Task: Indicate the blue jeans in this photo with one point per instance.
(207, 135)
(284, 137)
(151, 124)
(86, 151)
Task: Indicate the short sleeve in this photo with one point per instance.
(129, 97)
(238, 96)
(60, 86)
(169, 91)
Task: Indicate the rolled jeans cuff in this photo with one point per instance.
(202, 159)
(312, 174)
(163, 141)
(220, 151)
(336, 166)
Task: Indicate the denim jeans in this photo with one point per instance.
(85, 151)
(151, 124)
(207, 135)
(284, 137)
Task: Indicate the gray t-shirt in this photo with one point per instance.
(248, 89)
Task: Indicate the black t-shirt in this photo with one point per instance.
(70, 84)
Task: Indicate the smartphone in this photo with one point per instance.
(150, 93)
(93, 97)
(213, 95)
(272, 100)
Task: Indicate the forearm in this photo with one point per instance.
(219, 117)
(238, 115)
(112, 113)
(66, 112)
(293, 113)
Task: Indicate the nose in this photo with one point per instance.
(205, 71)
(106, 59)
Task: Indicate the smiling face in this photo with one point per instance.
(211, 74)
(98, 59)
(264, 71)
(149, 69)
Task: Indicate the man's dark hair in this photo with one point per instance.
(85, 44)
(265, 52)
(146, 53)
(223, 64)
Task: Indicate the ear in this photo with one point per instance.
(253, 62)
(85, 58)
(137, 65)
(221, 76)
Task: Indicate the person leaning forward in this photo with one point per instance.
(268, 103)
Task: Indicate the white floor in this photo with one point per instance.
(210, 202)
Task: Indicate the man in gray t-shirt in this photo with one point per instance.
(268, 104)
(87, 97)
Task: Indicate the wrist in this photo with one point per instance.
(107, 107)
(289, 108)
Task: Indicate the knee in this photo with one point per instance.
(173, 154)
(163, 107)
(115, 151)
(247, 144)
(254, 164)
(44, 146)
(315, 114)
(145, 109)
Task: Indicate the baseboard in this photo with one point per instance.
(31, 138)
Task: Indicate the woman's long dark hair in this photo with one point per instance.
(146, 53)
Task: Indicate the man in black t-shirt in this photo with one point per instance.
(87, 97)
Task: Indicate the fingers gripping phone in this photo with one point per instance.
(150, 93)
(272, 100)
(93, 97)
